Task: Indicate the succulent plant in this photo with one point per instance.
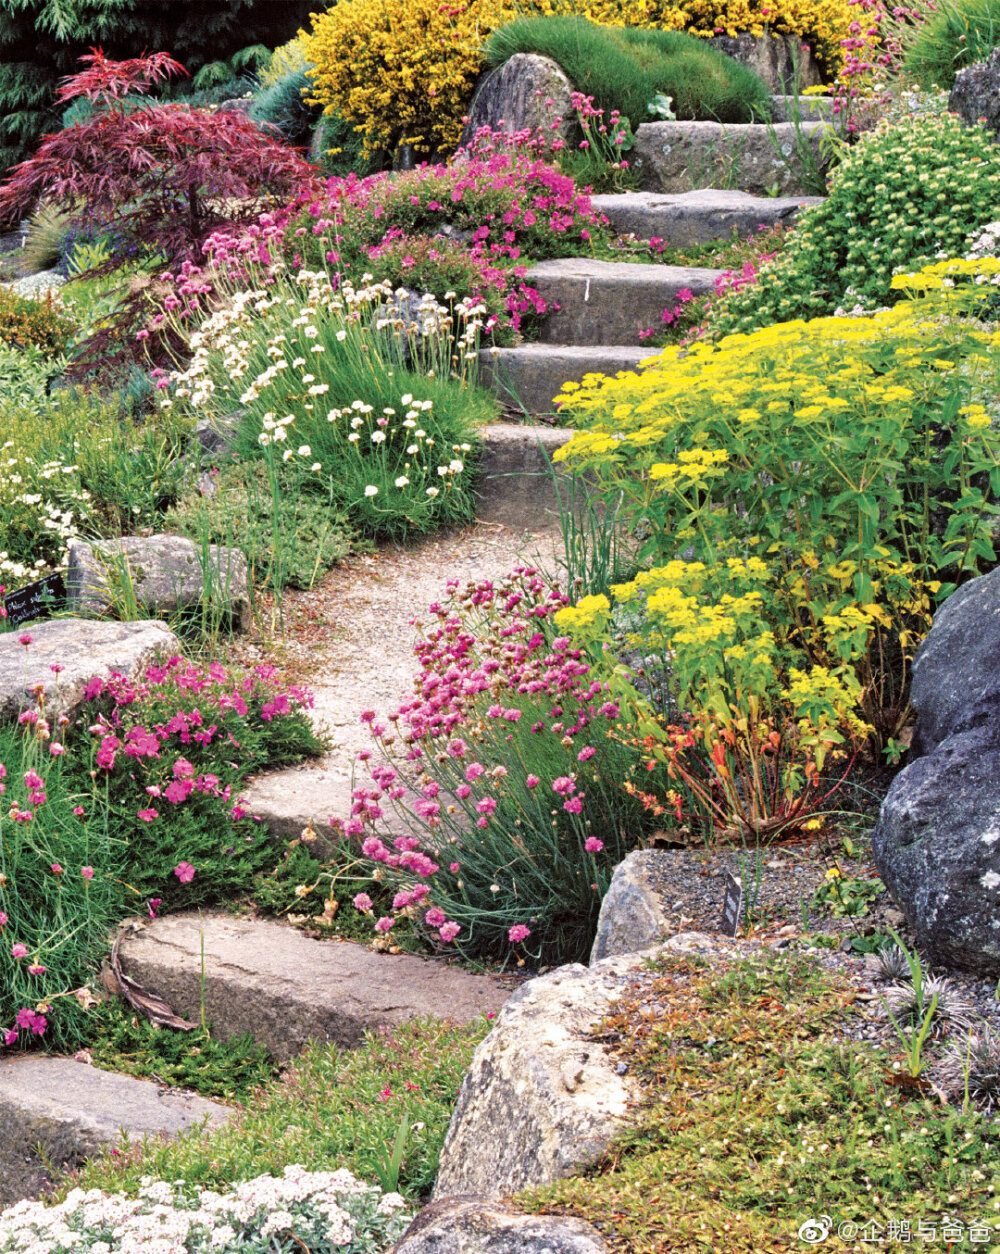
(893, 963)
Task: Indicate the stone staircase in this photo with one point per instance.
(603, 305)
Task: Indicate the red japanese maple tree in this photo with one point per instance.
(162, 175)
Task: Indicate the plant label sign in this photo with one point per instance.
(732, 906)
(35, 600)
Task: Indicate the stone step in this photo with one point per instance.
(699, 216)
(609, 303)
(56, 1112)
(286, 989)
(528, 377)
(785, 159)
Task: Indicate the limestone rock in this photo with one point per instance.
(956, 672)
(83, 649)
(632, 915)
(682, 156)
(937, 847)
(782, 61)
(166, 571)
(697, 217)
(55, 1112)
(513, 98)
(286, 989)
(517, 1121)
(471, 1225)
(976, 94)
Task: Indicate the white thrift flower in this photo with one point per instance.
(371, 490)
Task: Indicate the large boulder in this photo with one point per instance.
(471, 1225)
(168, 573)
(937, 842)
(541, 1100)
(956, 672)
(937, 847)
(784, 62)
(976, 94)
(525, 93)
(79, 650)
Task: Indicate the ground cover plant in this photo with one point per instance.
(330, 1210)
(907, 194)
(134, 807)
(757, 1105)
(625, 68)
(790, 622)
(336, 1108)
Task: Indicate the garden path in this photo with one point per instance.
(351, 642)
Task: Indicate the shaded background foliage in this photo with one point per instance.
(41, 40)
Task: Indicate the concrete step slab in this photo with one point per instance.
(609, 302)
(528, 377)
(700, 216)
(779, 159)
(286, 989)
(56, 1112)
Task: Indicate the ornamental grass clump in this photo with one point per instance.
(326, 1212)
(344, 398)
(907, 194)
(504, 770)
(827, 482)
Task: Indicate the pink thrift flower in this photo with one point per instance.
(593, 845)
(56, 869)
(36, 968)
(78, 811)
(574, 805)
(518, 933)
(435, 917)
(184, 872)
(362, 902)
(564, 785)
(384, 924)
(463, 791)
(25, 639)
(87, 872)
(453, 868)
(532, 781)
(153, 906)
(448, 932)
(3, 919)
(10, 1038)
(19, 951)
(586, 753)
(147, 816)
(473, 771)
(56, 749)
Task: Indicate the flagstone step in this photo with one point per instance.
(285, 989)
(699, 216)
(609, 303)
(528, 377)
(57, 1112)
(783, 159)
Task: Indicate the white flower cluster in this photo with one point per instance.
(322, 1211)
(984, 243)
(41, 508)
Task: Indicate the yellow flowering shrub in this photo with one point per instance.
(288, 59)
(827, 482)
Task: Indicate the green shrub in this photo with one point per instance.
(905, 195)
(338, 149)
(241, 513)
(30, 322)
(25, 377)
(281, 108)
(956, 34)
(624, 68)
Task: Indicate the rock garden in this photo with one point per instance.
(499, 627)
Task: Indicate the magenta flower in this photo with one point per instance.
(362, 902)
(435, 917)
(87, 872)
(147, 816)
(153, 905)
(3, 919)
(25, 639)
(564, 785)
(36, 968)
(10, 1038)
(19, 950)
(518, 933)
(384, 924)
(78, 811)
(448, 932)
(586, 753)
(532, 781)
(184, 872)
(56, 869)
(593, 845)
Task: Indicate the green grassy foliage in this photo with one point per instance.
(624, 69)
(957, 33)
(335, 1108)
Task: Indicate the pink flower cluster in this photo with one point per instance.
(477, 689)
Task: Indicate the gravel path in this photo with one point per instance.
(351, 640)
